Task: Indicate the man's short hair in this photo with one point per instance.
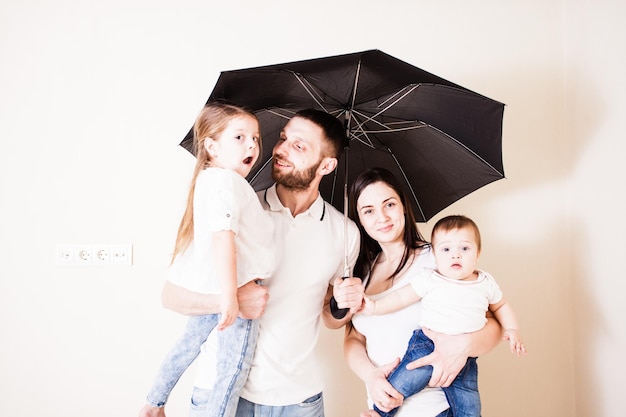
(334, 131)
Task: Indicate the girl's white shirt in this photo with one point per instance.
(224, 200)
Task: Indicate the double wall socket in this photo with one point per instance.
(105, 254)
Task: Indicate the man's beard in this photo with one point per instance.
(296, 180)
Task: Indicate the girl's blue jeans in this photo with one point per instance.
(234, 357)
(311, 407)
(462, 394)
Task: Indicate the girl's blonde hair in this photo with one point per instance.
(210, 123)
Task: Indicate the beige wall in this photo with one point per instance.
(94, 97)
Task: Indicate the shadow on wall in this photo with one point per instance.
(536, 284)
(590, 155)
(344, 393)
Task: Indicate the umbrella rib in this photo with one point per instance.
(287, 117)
(407, 90)
(306, 86)
(480, 158)
(406, 179)
(396, 129)
(363, 133)
(261, 169)
(422, 125)
(389, 129)
(402, 92)
(410, 88)
(356, 84)
(347, 112)
(359, 133)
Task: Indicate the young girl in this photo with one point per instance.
(455, 297)
(223, 242)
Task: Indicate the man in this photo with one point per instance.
(309, 236)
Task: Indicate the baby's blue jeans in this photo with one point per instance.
(462, 394)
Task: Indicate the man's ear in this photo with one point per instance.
(327, 166)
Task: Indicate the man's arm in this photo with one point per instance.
(349, 294)
(252, 299)
(451, 352)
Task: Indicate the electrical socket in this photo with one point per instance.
(102, 254)
(65, 255)
(121, 254)
(83, 255)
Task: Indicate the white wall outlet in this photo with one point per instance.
(122, 254)
(65, 255)
(102, 254)
(83, 255)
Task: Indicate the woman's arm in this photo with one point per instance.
(451, 352)
(381, 392)
(252, 299)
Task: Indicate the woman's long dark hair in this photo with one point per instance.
(370, 248)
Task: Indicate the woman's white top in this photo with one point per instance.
(387, 338)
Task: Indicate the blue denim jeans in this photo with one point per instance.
(462, 394)
(234, 357)
(311, 407)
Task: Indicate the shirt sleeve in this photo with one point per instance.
(216, 202)
(420, 281)
(495, 293)
(221, 211)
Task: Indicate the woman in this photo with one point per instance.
(392, 252)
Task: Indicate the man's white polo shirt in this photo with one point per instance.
(310, 255)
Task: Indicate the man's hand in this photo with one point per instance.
(252, 299)
(448, 358)
(348, 293)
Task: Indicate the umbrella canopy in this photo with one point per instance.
(441, 140)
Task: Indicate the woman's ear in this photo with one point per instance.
(327, 166)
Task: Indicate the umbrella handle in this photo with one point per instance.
(337, 312)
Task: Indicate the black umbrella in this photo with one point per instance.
(441, 140)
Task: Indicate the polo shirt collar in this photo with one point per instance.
(317, 209)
